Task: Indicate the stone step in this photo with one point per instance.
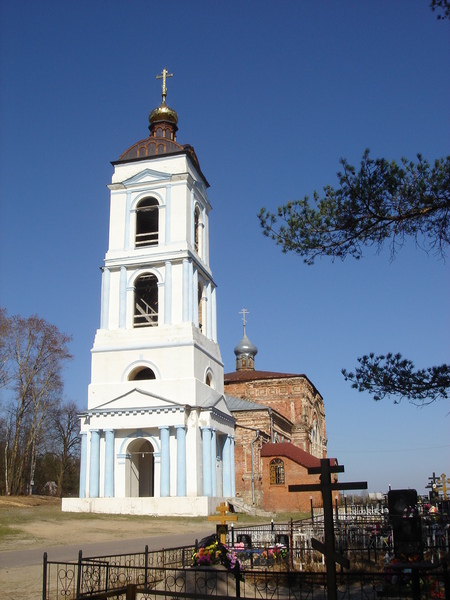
(239, 506)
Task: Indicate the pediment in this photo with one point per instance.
(136, 399)
(146, 176)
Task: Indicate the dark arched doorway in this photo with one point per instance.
(141, 471)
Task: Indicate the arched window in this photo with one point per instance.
(141, 374)
(276, 472)
(147, 223)
(146, 301)
(209, 379)
(197, 231)
(316, 439)
(200, 306)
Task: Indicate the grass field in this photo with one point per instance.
(31, 521)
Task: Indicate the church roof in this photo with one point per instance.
(239, 404)
(292, 452)
(250, 375)
(256, 375)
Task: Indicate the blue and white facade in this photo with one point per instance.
(157, 436)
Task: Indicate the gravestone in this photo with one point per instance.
(405, 521)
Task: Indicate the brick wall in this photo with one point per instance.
(277, 498)
(293, 397)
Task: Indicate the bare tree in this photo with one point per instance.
(65, 426)
(36, 352)
(5, 330)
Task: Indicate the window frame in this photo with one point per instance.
(277, 473)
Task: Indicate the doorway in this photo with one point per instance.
(140, 472)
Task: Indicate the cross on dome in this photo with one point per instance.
(245, 351)
(244, 312)
(164, 74)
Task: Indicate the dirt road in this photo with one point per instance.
(38, 526)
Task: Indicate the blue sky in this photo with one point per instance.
(271, 95)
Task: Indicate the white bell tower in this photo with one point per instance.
(157, 429)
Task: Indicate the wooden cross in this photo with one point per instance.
(222, 517)
(433, 481)
(326, 487)
(441, 484)
(165, 73)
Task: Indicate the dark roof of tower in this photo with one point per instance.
(162, 139)
(154, 147)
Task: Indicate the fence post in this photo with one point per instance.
(146, 565)
(44, 578)
(80, 555)
(237, 576)
(446, 582)
(291, 544)
(131, 591)
(415, 584)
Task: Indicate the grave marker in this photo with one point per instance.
(326, 487)
(222, 517)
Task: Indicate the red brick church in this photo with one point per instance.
(280, 432)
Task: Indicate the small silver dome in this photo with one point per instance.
(245, 346)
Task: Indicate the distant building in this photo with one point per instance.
(279, 416)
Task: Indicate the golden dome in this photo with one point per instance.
(163, 113)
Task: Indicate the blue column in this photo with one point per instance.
(192, 292)
(128, 213)
(204, 235)
(109, 463)
(213, 463)
(168, 293)
(123, 298)
(185, 290)
(233, 478)
(83, 458)
(195, 305)
(214, 314)
(94, 464)
(165, 460)
(227, 468)
(104, 311)
(208, 312)
(206, 438)
(168, 212)
(181, 460)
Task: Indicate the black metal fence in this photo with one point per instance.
(277, 561)
(97, 574)
(202, 583)
(365, 541)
